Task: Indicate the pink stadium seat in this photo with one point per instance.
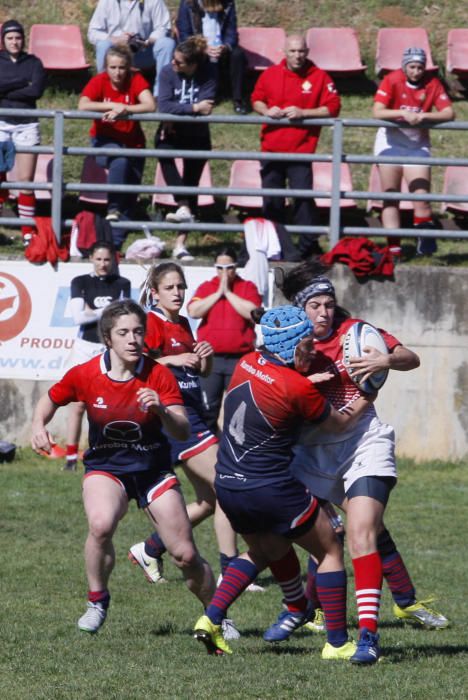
(263, 46)
(93, 173)
(167, 200)
(392, 41)
(43, 173)
(59, 46)
(335, 49)
(456, 182)
(245, 173)
(323, 181)
(457, 52)
(376, 186)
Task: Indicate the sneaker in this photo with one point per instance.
(318, 623)
(240, 107)
(287, 623)
(93, 618)
(426, 246)
(229, 629)
(182, 215)
(70, 465)
(255, 588)
(368, 650)
(420, 612)
(113, 215)
(56, 452)
(181, 254)
(211, 635)
(152, 566)
(345, 652)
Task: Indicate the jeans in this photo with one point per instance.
(122, 171)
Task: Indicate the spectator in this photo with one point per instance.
(22, 82)
(224, 304)
(217, 21)
(143, 26)
(408, 95)
(118, 92)
(294, 89)
(188, 86)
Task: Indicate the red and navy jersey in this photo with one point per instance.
(122, 437)
(264, 407)
(165, 337)
(395, 92)
(340, 390)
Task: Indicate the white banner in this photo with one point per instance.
(36, 327)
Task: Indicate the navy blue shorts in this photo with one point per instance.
(286, 508)
(376, 487)
(200, 439)
(144, 487)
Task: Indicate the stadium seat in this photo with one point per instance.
(43, 173)
(263, 46)
(335, 49)
(392, 41)
(376, 186)
(457, 52)
(93, 173)
(167, 200)
(323, 181)
(245, 173)
(456, 182)
(59, 46)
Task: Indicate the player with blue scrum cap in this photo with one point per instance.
(266, 401)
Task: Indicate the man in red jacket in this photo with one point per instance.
(295, 89)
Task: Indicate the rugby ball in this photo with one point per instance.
(359, 336)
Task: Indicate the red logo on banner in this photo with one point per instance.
(15, 306)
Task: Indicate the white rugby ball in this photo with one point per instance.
(357, 337)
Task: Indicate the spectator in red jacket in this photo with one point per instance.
(224, 304)
(295, 89)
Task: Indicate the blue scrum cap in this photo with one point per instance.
(413, 55)
(283, 328)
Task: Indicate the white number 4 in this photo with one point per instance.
(236, 425)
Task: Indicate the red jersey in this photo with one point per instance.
(263, 409)
(99, 89)
(228, 332)
(309, 88)
(122, 437)
(395, 92)
(169, 338)
(340, 390)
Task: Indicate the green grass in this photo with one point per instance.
(145, 650)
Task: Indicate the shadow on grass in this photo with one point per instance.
(408, 653)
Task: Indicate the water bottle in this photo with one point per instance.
(217, 41)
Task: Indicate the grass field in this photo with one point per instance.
(145, 650)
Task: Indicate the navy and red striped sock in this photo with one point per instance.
(398, 580)
(225, 560)
(102, 597)
(287, 572)
(239, 574)
(311, 586)
(331, 591)
(154, 546)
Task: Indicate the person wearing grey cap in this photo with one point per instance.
(407, 97)
(22, 82)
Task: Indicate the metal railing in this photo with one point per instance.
(334, 230)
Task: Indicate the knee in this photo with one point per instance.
(101, 528)
(185, 556)
(163, 48)
(361, 540)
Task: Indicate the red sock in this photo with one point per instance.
(26, 210)
(72, 451)
(3, 193)
(422, 220)
(102, 597)
(368, 584)
(287, 572)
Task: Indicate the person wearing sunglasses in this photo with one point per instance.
(224, 304)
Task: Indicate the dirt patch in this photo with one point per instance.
(394, 16)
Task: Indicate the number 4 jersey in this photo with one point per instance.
(263, 412)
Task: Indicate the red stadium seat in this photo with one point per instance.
(376, 186)
(93, 173)
(335, 49)
(456, 182)
(457, 52)
(43, 173)
(167, 200)
(263, 46)
(323, 181)
(245, 173)
(392, 41)
(59, 46)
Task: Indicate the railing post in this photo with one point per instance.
(57, 175)
(335, 212)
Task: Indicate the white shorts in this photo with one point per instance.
(330, 470)
(83, 351)
(395, 142)
(21, 134)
